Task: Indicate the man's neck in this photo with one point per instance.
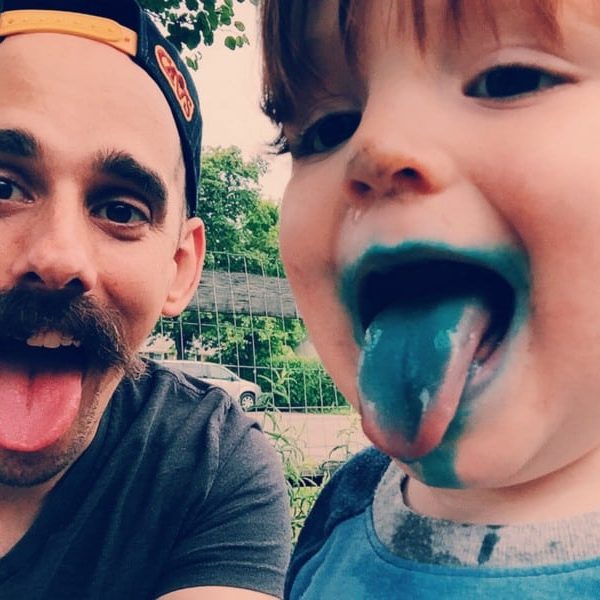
(19, 506)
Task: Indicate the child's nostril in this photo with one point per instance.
(408, 173)
(360, 188)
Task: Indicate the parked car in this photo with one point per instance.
(246, 392)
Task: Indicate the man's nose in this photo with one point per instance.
(55, 252)
(395, 158)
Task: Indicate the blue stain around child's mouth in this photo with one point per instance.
(429, 320)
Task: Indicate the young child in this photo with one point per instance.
(441, 234)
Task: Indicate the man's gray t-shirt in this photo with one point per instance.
(178, 489)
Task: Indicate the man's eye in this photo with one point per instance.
(121, 213)
(9, 190)
(325, 134)
(511, 81)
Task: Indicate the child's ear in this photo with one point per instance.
(189, 259)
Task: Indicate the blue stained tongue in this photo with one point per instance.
(415, 365)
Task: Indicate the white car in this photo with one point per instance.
(246, 392)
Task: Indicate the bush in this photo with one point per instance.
(303, 489)
(300, 383)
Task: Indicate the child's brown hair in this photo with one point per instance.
(286, 70)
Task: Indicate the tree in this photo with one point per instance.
(242, 235)
(259, 238)
(237, 220)
(190, 23)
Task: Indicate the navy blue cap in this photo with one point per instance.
(124, 25)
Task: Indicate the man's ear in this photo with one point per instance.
(189, 259)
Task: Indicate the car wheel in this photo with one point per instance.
(247, 400)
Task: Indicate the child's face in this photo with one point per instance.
(465, 175)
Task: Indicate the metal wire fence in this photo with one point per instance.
(243, 316)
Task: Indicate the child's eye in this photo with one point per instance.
(508, 82)
(324, 135)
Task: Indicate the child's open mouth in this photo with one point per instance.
(40, 389)
(433, 324)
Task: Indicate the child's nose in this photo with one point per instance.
(392, 165)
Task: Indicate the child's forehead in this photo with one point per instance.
(424, 20)
(338, 32)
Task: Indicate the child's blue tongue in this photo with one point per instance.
(415, 365)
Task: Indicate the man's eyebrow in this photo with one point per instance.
(19, 143)
(122, 165)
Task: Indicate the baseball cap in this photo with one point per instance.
(127, 27)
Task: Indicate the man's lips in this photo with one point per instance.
(62, 318)
(431, 322)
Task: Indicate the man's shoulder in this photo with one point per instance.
(175, 479)
(167, 413)
(159, 382)
(164, 393)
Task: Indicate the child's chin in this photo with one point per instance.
(471, 465)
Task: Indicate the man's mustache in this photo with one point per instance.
(99, 330)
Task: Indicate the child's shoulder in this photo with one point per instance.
(349, 492)
(352, 487)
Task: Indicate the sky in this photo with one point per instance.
(229, 86)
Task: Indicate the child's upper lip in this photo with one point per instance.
(385, 274)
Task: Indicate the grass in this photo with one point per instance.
(304, 480)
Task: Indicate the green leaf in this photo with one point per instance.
(192, 63)
(213, 19)
(206, 18)
(230, 42)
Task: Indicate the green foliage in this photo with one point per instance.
(191, 23)
(242, 236)
(302, 492)
(237, 220)
(303, 489)
(301, 383)
(248, 341)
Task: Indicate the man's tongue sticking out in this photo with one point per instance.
(40, 394)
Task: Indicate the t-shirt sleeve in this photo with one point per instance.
(239, 533)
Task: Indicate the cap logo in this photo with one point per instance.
(176, 81)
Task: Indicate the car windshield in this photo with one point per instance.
(205, 370)
(219, 372)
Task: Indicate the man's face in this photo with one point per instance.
(91, 205)
(441, 234)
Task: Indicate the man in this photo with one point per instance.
(117, 478)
